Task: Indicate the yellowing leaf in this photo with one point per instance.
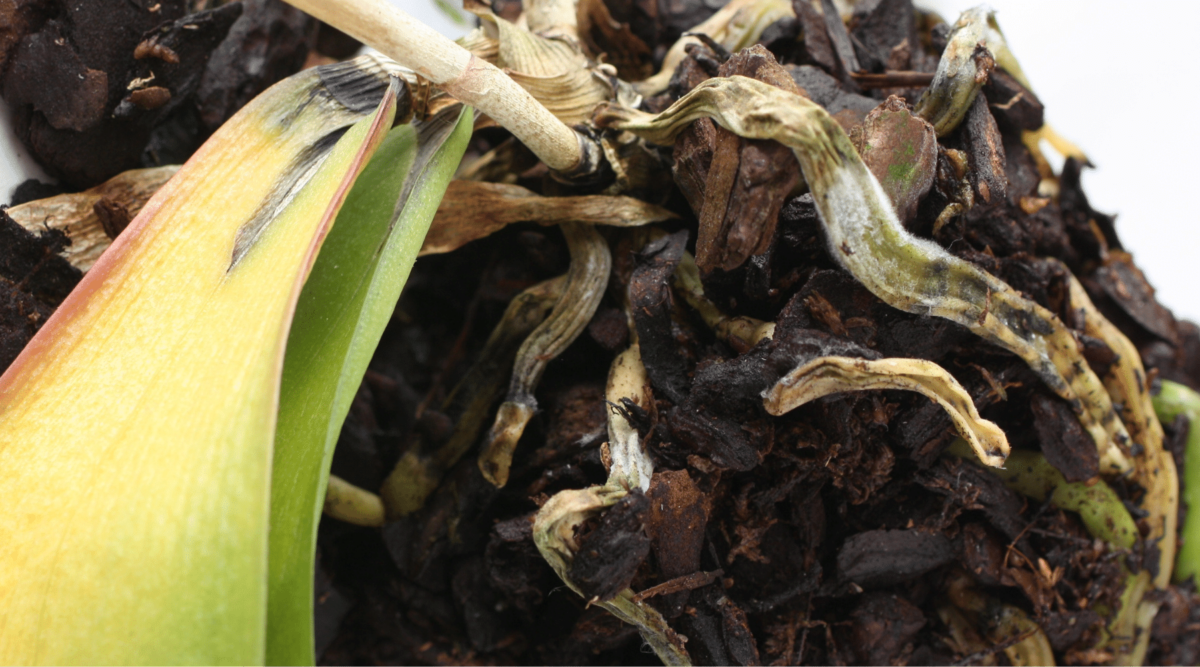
(136, 428)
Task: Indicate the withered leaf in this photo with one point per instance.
(472, 210)
(78, 216)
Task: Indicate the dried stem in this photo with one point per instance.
(472, 81)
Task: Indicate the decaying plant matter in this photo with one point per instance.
(770, 334)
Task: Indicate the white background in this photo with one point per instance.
(1118, 78)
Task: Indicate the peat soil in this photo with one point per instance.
(834, 534)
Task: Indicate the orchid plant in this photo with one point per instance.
(167, 436)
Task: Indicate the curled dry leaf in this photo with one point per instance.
(867, 239)
(86, 217)
(472, 210)
(603, 34)
(831, 375)
(586, 282)
(554, 70)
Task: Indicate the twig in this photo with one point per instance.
(472, 81)
(684, 583)
(893, 79)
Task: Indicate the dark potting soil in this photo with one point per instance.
(826, 536)
(829, 535)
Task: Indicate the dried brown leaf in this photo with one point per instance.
(472, 210)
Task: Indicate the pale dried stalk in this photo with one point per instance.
(419, 471)
(1153, 467)
(468, 79)
(959, 75)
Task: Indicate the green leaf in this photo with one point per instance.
(136, 427)
(346, 303)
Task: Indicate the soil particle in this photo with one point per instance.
(747, 180)
(652, 305)
(34, 279)
(1066, 446)
(824, 536)
(880, 28)
(817, 46)
(1013, 103)
(900, 149)
(269, 41)
(609, 555)
(1126, 285)
(888, 557)
(675, 523)
(985, 153)
(884, 626)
